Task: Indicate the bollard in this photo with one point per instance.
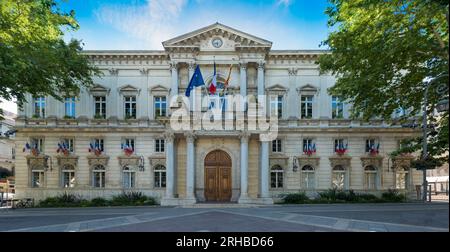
(429, 193)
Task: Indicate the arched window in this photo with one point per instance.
(308, 177)
(129, 177)
(37, 177)
(402, 178)
(276, 177)
(339, 177)
(370, 177)
(68, 176)
(160, 176)
(98, 176)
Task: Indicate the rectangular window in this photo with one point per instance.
(370, 145)
(39, 107)
(37, 178)
(37, 143)
(100, 107)
(129, 142)
(68, 178)
(337, 108)
(306, 106)
(98, 142)
(160, 104)
(128, 179)
(130, 107)
(338, 180)
(276, 145)
(99, 179)
(159, 145)
(340, 145)
(69, 143)
(69, 106)
(276, 106)
(307, 144)
(371, 180)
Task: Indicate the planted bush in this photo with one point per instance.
(295, 198)
(393, 195)
(132, 199)
(63, 200)
(124, 199)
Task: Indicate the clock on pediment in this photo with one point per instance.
(217, 42)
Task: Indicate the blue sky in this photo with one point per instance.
(144, 24)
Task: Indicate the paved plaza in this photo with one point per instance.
(432, 217)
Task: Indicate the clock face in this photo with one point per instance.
(217, 42)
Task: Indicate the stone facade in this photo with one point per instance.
(7, 144)
(176, 175)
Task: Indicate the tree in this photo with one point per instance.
(34, 58)
(382, 53)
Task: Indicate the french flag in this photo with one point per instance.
(212, 87)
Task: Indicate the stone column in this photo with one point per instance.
(292, 104)
(264, 174)
(170, 169)
(113, 102)
(261, 78)
(142, 99)
(190, 168)
(174, 84)
(192, 98)
(243, 82)
(244, 167)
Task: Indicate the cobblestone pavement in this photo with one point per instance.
(432, 217)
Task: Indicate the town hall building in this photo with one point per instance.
(117, 136)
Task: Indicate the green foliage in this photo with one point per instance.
(4, 173)
(393, 195)
(382, 51)
(99, 116)
(34, 58)
(124, 199)
(341, 196)
(99, 202)
(131, 199)
(295, 198)
(62, 200)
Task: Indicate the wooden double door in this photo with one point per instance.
(218, 177)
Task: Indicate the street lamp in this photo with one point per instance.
(440, 107)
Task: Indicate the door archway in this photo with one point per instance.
(218, 176)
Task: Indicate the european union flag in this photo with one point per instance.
(196, 81)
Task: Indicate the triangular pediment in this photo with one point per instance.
(99, 88)
(307, 88)
(276, 87)
(128, 88)
(159, 88)
(217, 30)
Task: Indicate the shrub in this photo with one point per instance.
(295, 198)
(62, 200)
(393, 195)
(99, 202)
(124, 199)
(132, 199)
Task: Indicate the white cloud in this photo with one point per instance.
(284, 2)
(152, 23)
(146, 26)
